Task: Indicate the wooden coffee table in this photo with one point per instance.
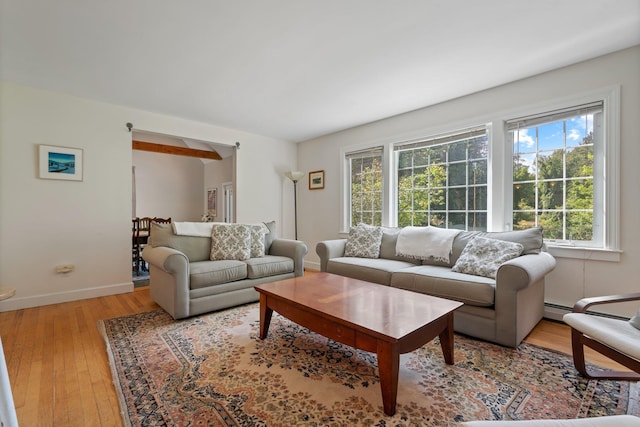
(375, 318)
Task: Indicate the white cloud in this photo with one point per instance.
(574, 135)
(523, 137)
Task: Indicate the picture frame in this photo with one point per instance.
(62, 163)
(212, 202)
(316, 180)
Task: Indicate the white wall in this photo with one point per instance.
(44, 223)
(573, 278)
(168, 186)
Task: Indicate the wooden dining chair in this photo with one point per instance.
(135, 248)
(617, 339)
(162, 220)
(141, 239)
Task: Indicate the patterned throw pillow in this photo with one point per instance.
(364, 241)
(482, 256)
(258, 233)
(230, 241)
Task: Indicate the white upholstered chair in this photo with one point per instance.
(615, 338)
(609, 421)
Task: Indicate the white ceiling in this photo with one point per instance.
(297, 69)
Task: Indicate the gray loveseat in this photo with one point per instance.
(185, 281)
(503, 309)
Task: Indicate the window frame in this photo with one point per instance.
(610, 250)
(500, 169)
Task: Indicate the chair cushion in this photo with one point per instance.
(618, 334)
(605, 421)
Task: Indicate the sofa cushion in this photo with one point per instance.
(230, 241)
(209, 273)
(363, 241)
(371, 270)
(270, 236)
(195, 248)
(269, 265)
(530, 239)
(483, 257)
(442, 282)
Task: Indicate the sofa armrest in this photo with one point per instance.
(169, 273)
(167, 259)
(294, 249)
(524, 270)
(328, 249)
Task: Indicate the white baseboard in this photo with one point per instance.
(18, 303)
(312, 266)
(555, 312)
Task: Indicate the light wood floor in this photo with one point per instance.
(58, 365)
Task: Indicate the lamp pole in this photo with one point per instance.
(295, 177)
(295, 206)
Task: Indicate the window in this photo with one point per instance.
(443, 181)
(554, 165)
(365, 184)
(555, 159)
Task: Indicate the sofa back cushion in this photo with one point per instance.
(530, 239)
(270, 236)
(195, 248)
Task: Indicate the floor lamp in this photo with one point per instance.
(295, 177)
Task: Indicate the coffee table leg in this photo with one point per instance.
(388, 367)
(265, 316)
(446, 340)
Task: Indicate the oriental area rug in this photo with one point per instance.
(213, 370)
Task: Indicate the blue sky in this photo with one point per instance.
(550, 137)
(61, 157)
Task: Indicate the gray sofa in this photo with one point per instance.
(501, 310)
(185, 282)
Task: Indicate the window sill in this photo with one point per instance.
(611, 255)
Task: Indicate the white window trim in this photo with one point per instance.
(500, 166)
(611, 131)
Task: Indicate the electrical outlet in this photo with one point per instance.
(67, 268)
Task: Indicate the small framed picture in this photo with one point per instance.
(60, 163)
(316, 180)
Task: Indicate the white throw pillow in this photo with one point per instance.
(230, 241)
(364, 241)
(483, 256)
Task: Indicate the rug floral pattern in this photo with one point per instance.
(213, 370)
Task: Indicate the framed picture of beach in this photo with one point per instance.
(60, 163)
